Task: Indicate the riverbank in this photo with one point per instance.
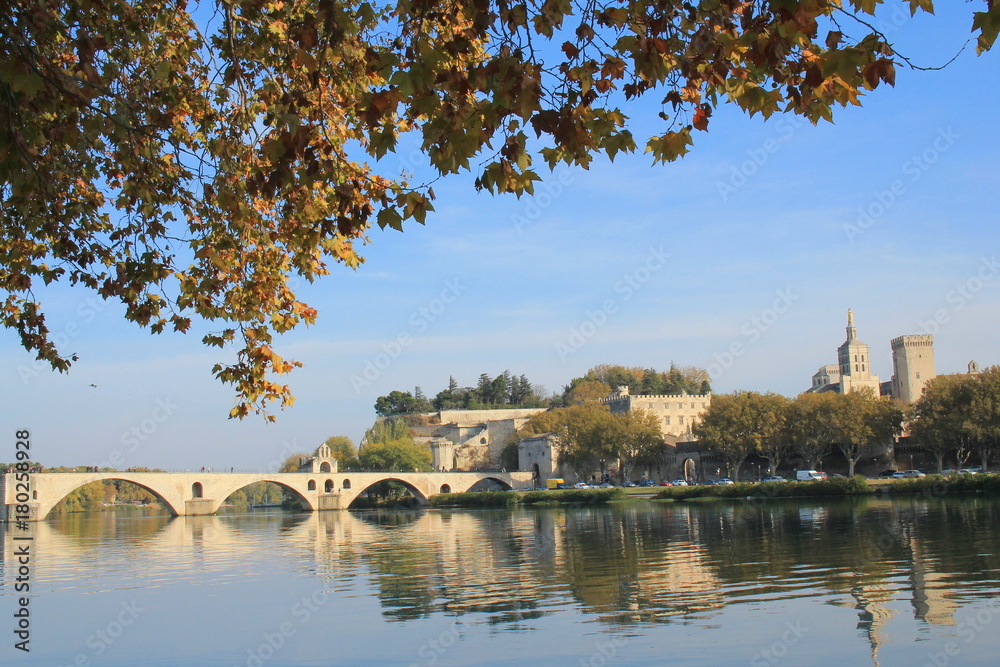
(936, 485)
(931, 485)
(542, 497)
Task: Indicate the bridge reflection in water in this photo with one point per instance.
(192, 494)
(862, 575)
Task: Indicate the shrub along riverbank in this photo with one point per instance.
(936, 485)
(512, 498)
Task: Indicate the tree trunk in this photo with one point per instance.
(772, 465)
(734, 470)
(625, 467)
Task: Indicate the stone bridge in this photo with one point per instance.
(192, 493)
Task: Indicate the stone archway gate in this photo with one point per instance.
(192, 493)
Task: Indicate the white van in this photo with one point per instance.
(808, 475)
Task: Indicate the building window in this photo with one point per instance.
(918, 376)
(680, 420)
(666, 420)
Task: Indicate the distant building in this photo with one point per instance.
(677, 414)
(912, 366)
(323, 461)
(470, 439)
(825, 378)
(853, 370)
(540, 455)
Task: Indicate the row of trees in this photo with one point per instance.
(504, 391)
(642, 381)
(772, 426)
(517, 391)
(591, 437)
(959, 414)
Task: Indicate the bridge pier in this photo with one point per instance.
(201, 507)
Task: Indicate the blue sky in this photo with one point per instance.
(742, 258)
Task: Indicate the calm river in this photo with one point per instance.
(853, 582)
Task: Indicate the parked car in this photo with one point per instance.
(887, 474)
(809, 475)
(710, 482)
(774, 479)
(966, 471)
(629, 484)
(725, 480)
(911, 474)
(680, 482)
(666, 483)
(647, 482)
(581, 485)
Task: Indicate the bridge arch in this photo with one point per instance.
(487, 484)
(46, 507)
(303, 500)
(420, 495)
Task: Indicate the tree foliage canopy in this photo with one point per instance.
(194, 168)
(740, 424)
(959, 413)
(396, 456)
(342, 448)
(770, 425)
(640, 381)
(589, 432)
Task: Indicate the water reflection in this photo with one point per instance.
(629, 568)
